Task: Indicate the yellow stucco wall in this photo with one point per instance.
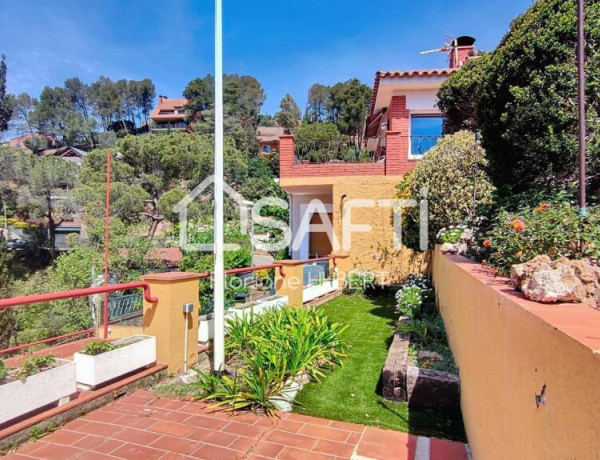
(373, 250)
(508, 350)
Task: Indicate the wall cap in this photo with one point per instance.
(171, 276)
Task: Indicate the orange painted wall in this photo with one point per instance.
(508, 350)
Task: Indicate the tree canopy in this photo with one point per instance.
(526, 99)
(5, 106)
(289, 114)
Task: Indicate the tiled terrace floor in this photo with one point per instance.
(141, 426)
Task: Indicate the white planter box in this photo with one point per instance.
(206, 327)
(134, 353)
(48, 387)
(312, 292)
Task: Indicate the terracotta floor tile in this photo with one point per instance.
(102, 416)
(243, 429)
(384, 444)
(136, 400)
(169, 415)
(347, 426)
(136, 452)
(57, 451)
(30, 447)
(291, 439)
(15, 456)
(89, 455)
(220, 438)
(210, 452)
(99, 429)
(143, 423)
(89, 442)
(268, 449)
(307, 419)
(291, 453)
(206, 421)
(338, 449)
(65, 437)
(135, 436)
(289, 425)
(108, 446)
(440, 449)
(195, 408)
(173, 429)
(322, 432)
(243, 444)
(178, 445)
(171, 404)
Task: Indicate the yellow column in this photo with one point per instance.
(343, 264)
(292, 283)
(166, 321)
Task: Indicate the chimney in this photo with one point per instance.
(161, 99)
(461, 50)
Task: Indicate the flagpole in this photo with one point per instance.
(219, 271)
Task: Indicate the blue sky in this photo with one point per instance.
(286, 45)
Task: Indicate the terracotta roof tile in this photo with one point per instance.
(405, 74)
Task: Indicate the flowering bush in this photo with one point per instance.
(550, 226)
(415, 297)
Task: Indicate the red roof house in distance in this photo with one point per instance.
(168, 115)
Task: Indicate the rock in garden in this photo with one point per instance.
(562, 280)
(448, 248)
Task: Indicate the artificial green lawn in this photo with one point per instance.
(352, 393)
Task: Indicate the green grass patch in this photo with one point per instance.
(352, 393)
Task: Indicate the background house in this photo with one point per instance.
(169, 114)
(268, 138)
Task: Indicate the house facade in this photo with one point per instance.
(402, 125)
(268, 139)
(168, 115)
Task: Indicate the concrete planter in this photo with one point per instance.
(134, 353)
(312, 292)
(206, 328)
(18, 398)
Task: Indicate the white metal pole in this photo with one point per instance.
(219, 271)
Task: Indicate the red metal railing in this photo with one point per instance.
(75, 293)
(38, 298)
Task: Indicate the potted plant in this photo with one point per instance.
(41, 380)
(102, 361)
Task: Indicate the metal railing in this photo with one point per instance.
(16, 302)
(168, 126)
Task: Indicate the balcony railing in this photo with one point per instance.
(335, 150)
(168, 126)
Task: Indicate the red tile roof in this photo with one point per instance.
(405, 74)
(165, 103)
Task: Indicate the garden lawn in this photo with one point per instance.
(352, 393)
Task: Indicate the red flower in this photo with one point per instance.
(518, 225)
(484, 262)
(487, 243)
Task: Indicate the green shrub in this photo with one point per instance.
(97, 347)
(2, 370)
(552, 226)
(526, 95)
(359, 282)
(269, 350)
(452, 174)
(451, 235)
(35, 365)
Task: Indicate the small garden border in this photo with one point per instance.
(421, 388)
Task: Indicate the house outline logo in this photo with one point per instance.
(182, 209)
